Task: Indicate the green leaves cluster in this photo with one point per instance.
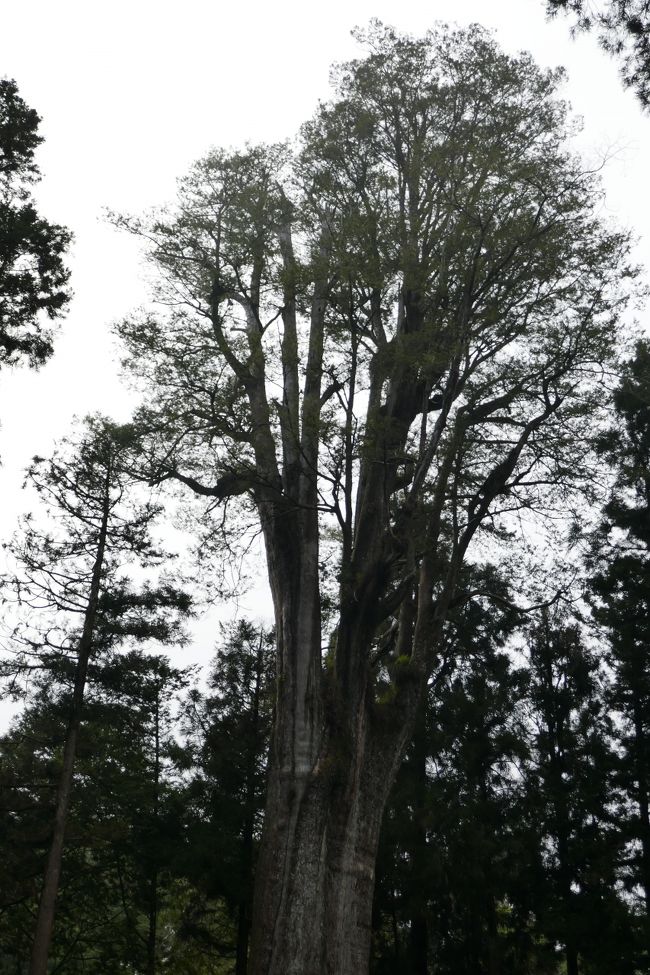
(33, 276)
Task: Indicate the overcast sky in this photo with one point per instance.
(132, 92)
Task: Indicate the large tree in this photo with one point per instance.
(621, 586)
(33, 277)
(384, 345)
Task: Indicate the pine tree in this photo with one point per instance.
(572, 802)
(123, 826)
(77, 598)
(448, 848)
(623, 28)
(33, 277)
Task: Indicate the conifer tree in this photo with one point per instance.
(33, 277)
(447, 864)
(124, 823)
(77, 598)
(227, 731)
(621, 587)
(572, 802)
(623, 28)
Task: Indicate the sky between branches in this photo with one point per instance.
(132, 93)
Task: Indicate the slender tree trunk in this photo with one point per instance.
(419, 932)
(243, 932)
(47, 903)
(571, 959)
(152, 932)
(245, 906)
(397, 948)
(571, 948)
(493, 954)
(641, 762)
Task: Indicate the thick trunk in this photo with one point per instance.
(315, 874)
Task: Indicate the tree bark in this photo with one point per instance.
(419, 932)
(47, 903)
(641, 764)
(315, 874)
(152, 928)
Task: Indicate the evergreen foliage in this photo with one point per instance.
(623, 28)
(386, 350)
(33, 277)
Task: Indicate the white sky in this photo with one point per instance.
(132, 92)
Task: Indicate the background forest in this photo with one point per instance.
(315, 307)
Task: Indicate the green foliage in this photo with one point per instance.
(33, 277)
(227, 732)
(621, 603)
(89, 504)
(124, 828)
(502, 847)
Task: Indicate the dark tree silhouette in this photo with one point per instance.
(33, 277)
(621, 586)
(227, 730)
(389, 340)
(76, 599)
(124, 824)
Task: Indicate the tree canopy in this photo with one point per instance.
(382, 351)
(387, 341)
(33, 276)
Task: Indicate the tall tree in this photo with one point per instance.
(79, 600)
(621, 585)
(390, 339)
(33, 277)
(449, 858)
(124, 821)
(623, 28)
(227, 730)
(570, 789)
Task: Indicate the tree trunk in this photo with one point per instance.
(152, 932)
(47, 903)
(247, 866)
(418, 852)
(572, 960)
(641, 764)
(316, 870)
